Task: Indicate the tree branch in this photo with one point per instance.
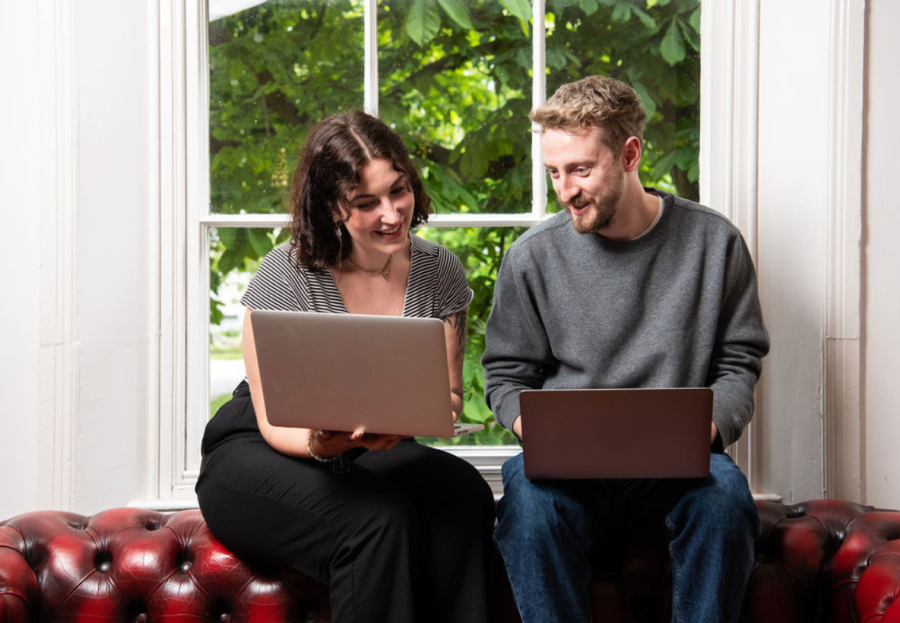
(215, 145)
(436, 67)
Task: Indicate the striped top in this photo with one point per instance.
(436, 288)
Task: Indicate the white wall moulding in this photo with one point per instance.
(172, 206)
(843, 439)
(729, 87)
(880, 331)
(59, 348)
(197, 150)
(183, 177)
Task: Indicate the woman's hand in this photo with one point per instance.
(456, 403)
(329, 443)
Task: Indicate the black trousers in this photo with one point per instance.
(405, 535)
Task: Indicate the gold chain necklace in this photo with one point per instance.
(384, 271)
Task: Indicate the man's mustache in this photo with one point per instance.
(579, 201)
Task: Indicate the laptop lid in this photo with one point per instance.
(616, 433)
(387, 374)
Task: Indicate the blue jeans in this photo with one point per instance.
(545, 527)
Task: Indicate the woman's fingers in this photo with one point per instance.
(381, 442)
(335, 442)
(358, 435)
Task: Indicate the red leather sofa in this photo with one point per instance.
(823, 560)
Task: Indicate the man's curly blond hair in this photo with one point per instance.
(597, 101)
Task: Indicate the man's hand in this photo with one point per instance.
(715, 433)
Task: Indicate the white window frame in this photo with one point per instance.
(182, 378)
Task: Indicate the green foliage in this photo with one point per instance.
(455, 81)
(480, 250)
(423, 21)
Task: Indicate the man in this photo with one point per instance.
(629, 287)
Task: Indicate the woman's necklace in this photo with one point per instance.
(384, 271)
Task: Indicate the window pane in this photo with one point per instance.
(456, 84)
(481, 251)
(275, 69)
(234, 257)
(226, 359)
(653, 46)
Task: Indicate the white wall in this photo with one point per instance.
(115, 57)
(881, 289)
(21, 176)
(80, 209)
(792, 168)
(78, 212)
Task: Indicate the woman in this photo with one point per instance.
(399, 531)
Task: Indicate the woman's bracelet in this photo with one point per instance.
(317, 457)
(339, 463)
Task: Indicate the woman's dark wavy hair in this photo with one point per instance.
(328, 171)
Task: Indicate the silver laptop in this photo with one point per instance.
(616, 433)
(386, 374)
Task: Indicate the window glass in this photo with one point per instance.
(481, 251)
(234, 257)
(455, 82)
(275, 69)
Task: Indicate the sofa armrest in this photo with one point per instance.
(19, 592)
(129, 564)
(836, 559)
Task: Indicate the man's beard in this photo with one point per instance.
(601, 215)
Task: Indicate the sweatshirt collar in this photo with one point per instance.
(649, 238)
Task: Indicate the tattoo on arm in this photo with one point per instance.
(458, 322)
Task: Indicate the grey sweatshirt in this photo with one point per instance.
(677, 307)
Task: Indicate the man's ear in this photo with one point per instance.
(631, 154)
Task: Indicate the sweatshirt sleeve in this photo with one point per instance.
(517, 351)
(741, 343)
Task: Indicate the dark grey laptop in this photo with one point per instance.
(616, 433)
(386, 374)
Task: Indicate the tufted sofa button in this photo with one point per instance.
(186, 566)
(225, 618)
(103, 562)
(141, 618)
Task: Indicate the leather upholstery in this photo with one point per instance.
(823, 560)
